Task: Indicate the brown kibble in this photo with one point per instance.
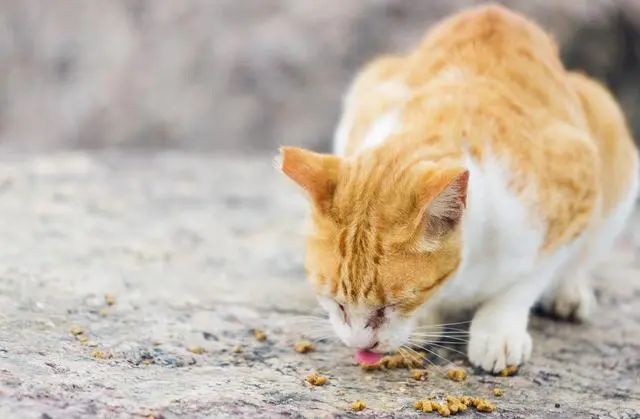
(462, 407)
(76, 330)
(97, 354)
(303, 346)
(498, 392)
(418, 404)
(509, 371)
(198, 350)
(316, 379)
(358, 405)
(444, 410)
(110, 299)
(457, 374)
(427, 406)
(453, 407)
(466, 400)
(259, 335)
(485, 406)
(419, 375)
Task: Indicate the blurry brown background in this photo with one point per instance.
(241, 74)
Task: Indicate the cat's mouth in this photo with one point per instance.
(367, 357)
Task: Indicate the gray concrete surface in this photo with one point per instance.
(199, 250)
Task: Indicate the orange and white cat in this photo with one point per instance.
(473, 174)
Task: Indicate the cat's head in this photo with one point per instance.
(384, 237)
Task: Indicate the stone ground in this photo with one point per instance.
(199, 250)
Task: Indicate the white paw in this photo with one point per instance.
(570, 301)
(493, 349)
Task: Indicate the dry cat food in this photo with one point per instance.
(452, 405)
(316, 379)
(509, 371)
(237, 349)
(259, 335)
(76, 330)
(358, 405)
(483, 405)
(394, 361)
(97, 354)
(198, 350)
(303, 346)
(110, 299)
(457, 374)
(419, 375)
(498, 392)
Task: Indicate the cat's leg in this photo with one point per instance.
(571, 296)
(498, 333)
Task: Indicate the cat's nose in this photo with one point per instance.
(374, 346)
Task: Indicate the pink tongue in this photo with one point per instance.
(367, 357)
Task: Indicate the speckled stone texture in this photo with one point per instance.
(200, 250)
(243, 74)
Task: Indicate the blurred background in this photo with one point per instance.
(241, 75)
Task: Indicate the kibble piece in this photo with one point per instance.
(303, 346)
(237, 349)
(316, 379)
(419, 375)
(259, 335)
(462, 407)
(97, 354)
(358, 405)
(418, 404)
(110, 299)
(453, 407)
(198, 350)
(444, 410)
(82, 338)
(457, 374)
(509, 371)
(466, 400)
(76, 330)
(498, 392)
(427, 406)
(485, 406)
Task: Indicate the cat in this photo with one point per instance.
(473, 174)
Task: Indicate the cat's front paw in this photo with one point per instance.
(493, 349)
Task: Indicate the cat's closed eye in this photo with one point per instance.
(344, 312)
(377, 318)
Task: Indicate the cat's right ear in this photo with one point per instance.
(316, 173)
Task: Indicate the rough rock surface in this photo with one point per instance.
(200, 250)
(249, 74)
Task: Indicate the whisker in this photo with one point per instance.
(416, 357)
(436, 338)
(445, 339)
(439, 334)
(436, 330)
(434, 353)
(425, 358)
(404, 354)
(449, 349)
(446, 324)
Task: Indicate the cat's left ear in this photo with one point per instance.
(442, 199)
(316, 173)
